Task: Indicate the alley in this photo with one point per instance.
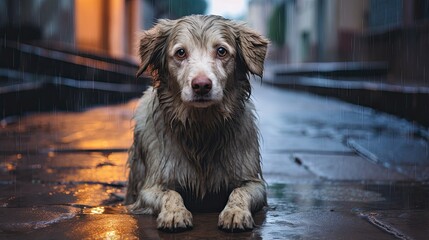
(334, 170)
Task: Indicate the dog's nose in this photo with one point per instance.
(201, 85)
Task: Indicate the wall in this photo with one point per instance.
(352, 23)
(90, 33)
(259, 13)
(301, 30)
(107, 26)
(51, 20)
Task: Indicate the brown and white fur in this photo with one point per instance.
(195, 139)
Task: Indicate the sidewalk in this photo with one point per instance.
(334, 170)
(362, 83)
(42, 78)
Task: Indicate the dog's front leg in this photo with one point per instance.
(237, 214)
(168, 204)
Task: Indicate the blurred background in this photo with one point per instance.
(95, 42)
(63, 161)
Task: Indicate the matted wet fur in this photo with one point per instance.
(195, 139)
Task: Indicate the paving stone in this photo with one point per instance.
(279, 168)
(350, 168)
(406, 153)
(410, 224)
(65, 167)
(27, 219)
(318, 224)
(317, 186)
(297, 144)
(99, 128)
(34, 194)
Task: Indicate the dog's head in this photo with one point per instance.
(202, 58)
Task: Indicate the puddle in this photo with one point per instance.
(410, 224)
(104, 210)
(28, 195)
(333, 193)
(26, 219)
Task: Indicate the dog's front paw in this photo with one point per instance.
(235, 219)
(174, 220)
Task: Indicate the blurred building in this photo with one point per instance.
(398, 33)
(107, 27)
(313, 29)
(259, 13)
(99, 26)
(392, 31)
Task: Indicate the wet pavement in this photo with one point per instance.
(334, 171)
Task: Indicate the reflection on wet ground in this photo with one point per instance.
(334, 171)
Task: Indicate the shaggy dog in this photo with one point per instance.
(195, 139)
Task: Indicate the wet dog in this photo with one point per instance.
(195, 140)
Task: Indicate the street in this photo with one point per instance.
(334, 171)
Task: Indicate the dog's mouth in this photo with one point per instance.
(201, 102)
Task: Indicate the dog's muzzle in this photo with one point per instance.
(201, 86)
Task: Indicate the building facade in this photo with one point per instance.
(391, 31)
(106, 27)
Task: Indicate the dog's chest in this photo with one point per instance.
(207, 159)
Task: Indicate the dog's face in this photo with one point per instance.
(201, 59)
(198, 56)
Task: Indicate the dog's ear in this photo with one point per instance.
(148, 41)
(253, 48)
(152, 48)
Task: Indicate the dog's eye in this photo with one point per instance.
(181, 53)
(221, 52)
